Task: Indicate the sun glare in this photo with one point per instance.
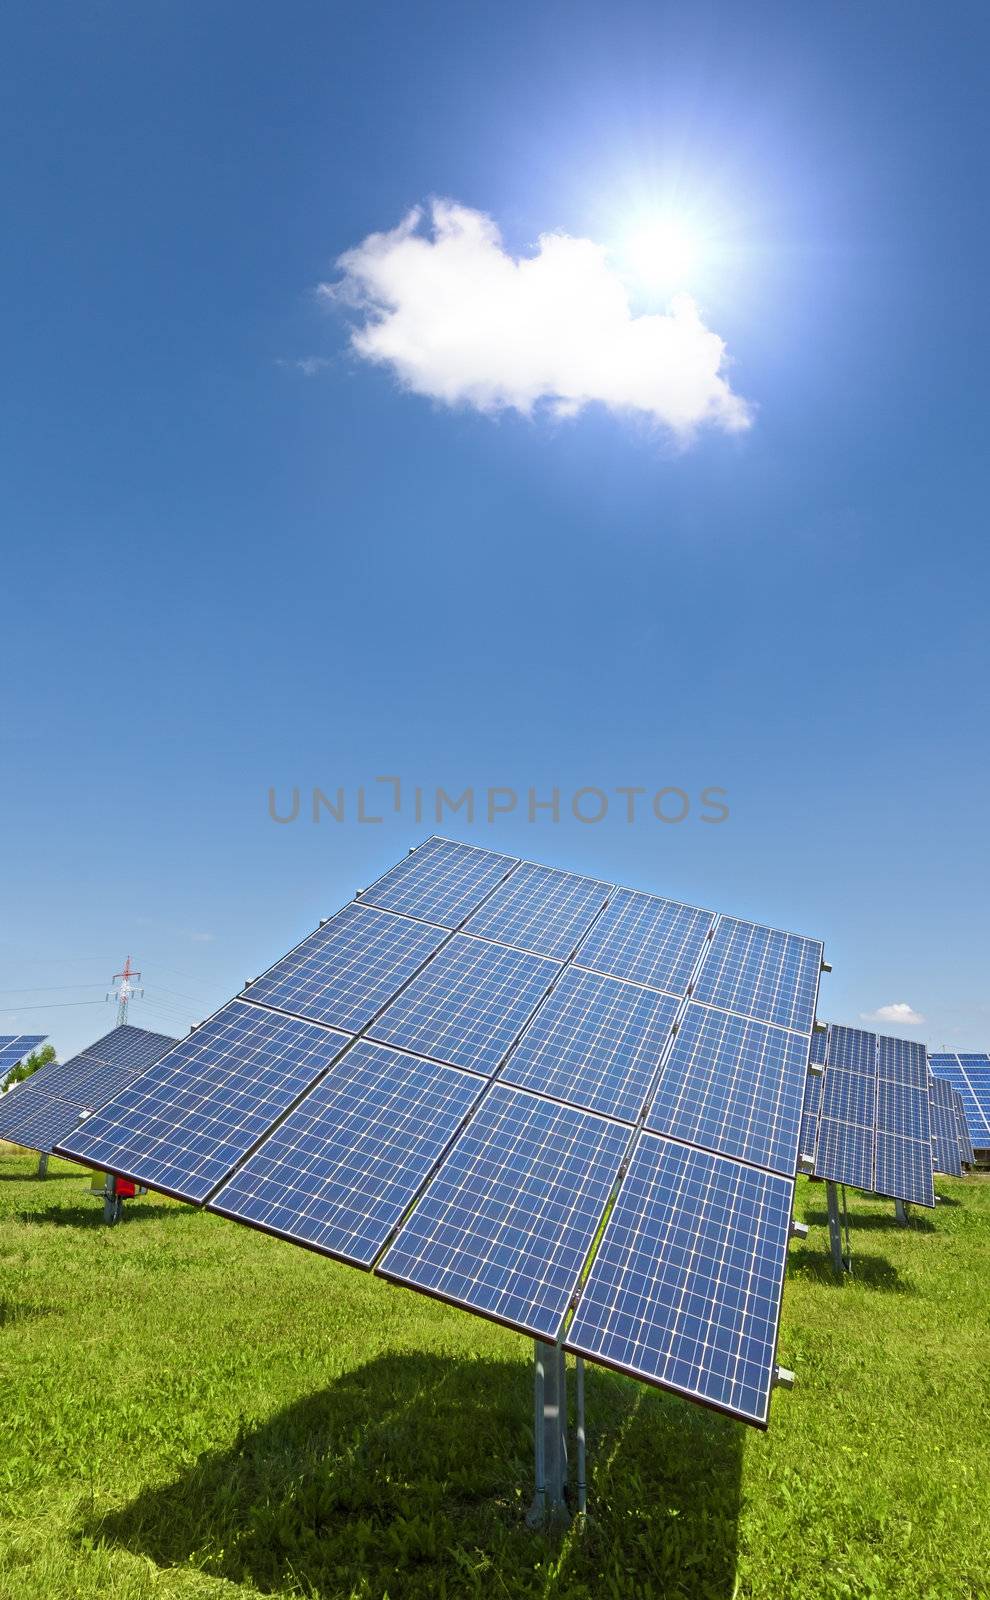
(663, 253)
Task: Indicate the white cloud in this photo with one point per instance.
(900, 1012)
(458, 318)
(309, 366)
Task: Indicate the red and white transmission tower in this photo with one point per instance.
(127, 982)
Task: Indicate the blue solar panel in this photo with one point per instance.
(904, 1169)
(597, 1042)
(341, 1170)
(540, 909)
(853, 1049)
(819, 1047)
(849, 1097)
(734, 1086)
(186, 1122)
(506, 1225)
(762, 973)
(14, 1047)
(33, 1118)
(977, 1109)
(647, 940)
(809, 1119)
(440, 882)
(845, 1153)
(97, 1073)
(945, 1133)
(685, 1289)
(347, 970)
(966, 1150)
(904, 1060)
(903, 1110)
(469, 1005)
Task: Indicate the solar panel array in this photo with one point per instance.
(462, 1075)
(872, 1125)
(966, 1150)
(969, 1074)
(945, 1130)
(14, 1047)
(49, 1104)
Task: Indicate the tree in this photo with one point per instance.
(30, 1064)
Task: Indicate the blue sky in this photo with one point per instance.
(223, 574)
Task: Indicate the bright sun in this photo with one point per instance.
(663, 253)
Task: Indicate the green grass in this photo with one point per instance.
(192, 1409)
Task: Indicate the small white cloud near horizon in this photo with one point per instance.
(461, 320)
(899, 1012)
(309, 366)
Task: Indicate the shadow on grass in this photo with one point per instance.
(876, 1222)
(90, 1215)
(874, 1271)
(411, 1476)
(946, 1199)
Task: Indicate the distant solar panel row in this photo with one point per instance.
(14, 1047)
(47, 1106)
(874, 1120)
(945, 1130)
(447, 1080)
(969, 1074)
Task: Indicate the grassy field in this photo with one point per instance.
(192, 1409)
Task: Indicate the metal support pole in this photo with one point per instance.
(582, 1471)
(113, 1205)
(550, 1435)
(901, 1212)
(834, 1227)
(43, 1164)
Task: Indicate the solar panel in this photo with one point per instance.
(341, 1170)
(905, 1061)
(506, 1224)
(966, 1151)
(470, 1141)
(945, 1133)
(845, 1153)
(14, 1047)
(184, 1124)
(597, 1042)
(540, 909)
(346, 971)
(441, 881)
(33, 1119)
(61, 1092)
(904, 1169)
(734, 1086)
(469, 1005)
(686, 1287)
(852, 1049)
(819, 1047)
(762, 973)
(647, 940)
(849, 1097)
(903, 1110)
(809, 1119)
(966, 1073)
(94, 1076)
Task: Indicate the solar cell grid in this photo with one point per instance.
(734, 1086)
(505, 1225)
(15, 1046)
(440, 882)
(540, 909)
(853, 1049)
(904, 1169)
(34, 1119)
(95, 1075)
(845, 1153)
(686, 1285)
(647, 940)
(904, 1060)
(903, 1109)
(976, 1105)
(347, 970)
(945, 1138)
(819, 1047)
(185, 1123)
(468, 1005)
(342, 1168)
(762, 973)
(849, 1097)
(966, 1151)
(596, 1042)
